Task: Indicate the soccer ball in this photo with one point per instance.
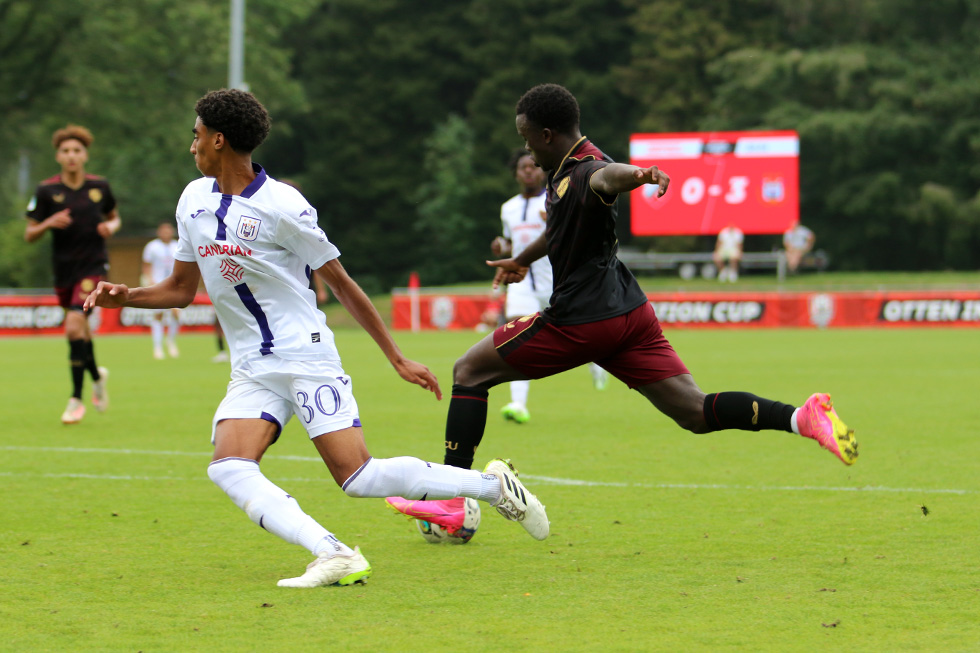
(436, 534)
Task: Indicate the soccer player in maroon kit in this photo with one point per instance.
(80, 212)
(598, 312)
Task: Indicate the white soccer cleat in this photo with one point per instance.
(74, 411)
(100, 391)
(335, 570)
(220, 357)
(516, 501)
(158, 353)
(172, 350)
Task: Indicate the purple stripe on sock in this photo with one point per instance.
(354, 475)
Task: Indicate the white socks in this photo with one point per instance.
(518, 392)
(271, 507)
(414, 479)
(156, 331)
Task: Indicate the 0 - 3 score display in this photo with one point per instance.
(749, 179)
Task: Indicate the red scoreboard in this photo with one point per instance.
(749, 179)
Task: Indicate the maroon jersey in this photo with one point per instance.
(591, 283)
(77, 251)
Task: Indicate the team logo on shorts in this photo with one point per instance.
(87, 285)
(248, 228)
(95, 194)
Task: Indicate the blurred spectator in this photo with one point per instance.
(728, 253)
(797, 241)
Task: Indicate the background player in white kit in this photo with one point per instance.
(256, 241)
(523, 218)
(158, 264)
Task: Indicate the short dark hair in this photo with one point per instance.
(236, 114)
(515, 158)
(550, 106)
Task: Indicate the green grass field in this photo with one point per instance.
(114, 539)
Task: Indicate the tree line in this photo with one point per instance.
(396, 118)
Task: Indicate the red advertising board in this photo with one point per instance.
(739, 310)
(31, 315)
(749, 179)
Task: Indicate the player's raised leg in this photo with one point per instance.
(679, 398)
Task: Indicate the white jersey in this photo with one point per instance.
(160, 256)
(256, 252)
(797, 237)
(730, 240)
(523, 221)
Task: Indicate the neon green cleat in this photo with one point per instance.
(516, 413)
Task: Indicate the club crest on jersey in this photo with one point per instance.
(248, 228)
(95, 194)
(562, 187)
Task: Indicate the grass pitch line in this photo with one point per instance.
(549, 480)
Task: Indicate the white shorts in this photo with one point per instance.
(521, 301)
(273, 389)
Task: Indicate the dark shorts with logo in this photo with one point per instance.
(72, 297)
(631, 347)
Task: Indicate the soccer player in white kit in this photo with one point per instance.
(158, 264)
(255, 242)
(523, 219)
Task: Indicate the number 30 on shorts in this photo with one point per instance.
(326, 396)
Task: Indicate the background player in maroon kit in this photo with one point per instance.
(80, 212)
(598, 311)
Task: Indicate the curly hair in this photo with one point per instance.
(236, 114)
(69, 132)
(515, 158)
(550, 106)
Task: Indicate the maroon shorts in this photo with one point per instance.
(74, 296)
(631, 347)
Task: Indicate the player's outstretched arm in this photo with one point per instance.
(359, 305)
(617, 178)
(176, 291)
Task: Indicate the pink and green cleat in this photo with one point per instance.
(817, 419)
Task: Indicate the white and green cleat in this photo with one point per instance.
(333, 570)
(516, 502)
